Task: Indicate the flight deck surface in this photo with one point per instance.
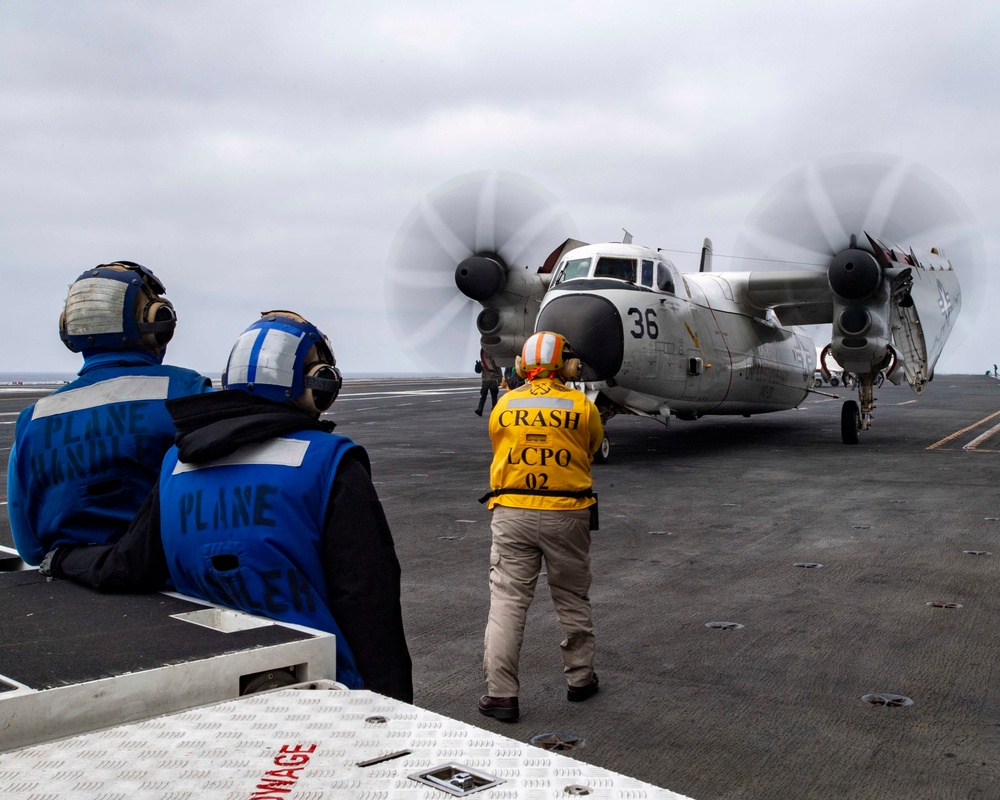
(718, 521)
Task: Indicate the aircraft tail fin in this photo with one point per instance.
(706, 256)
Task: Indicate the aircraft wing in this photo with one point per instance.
(886, 304)
(925, 304)
(797, 298)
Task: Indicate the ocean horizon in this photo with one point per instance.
(49, 378)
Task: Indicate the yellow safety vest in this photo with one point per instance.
(544, 436)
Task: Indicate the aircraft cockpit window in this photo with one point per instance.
(647, 273)
(621, 268)
(574, 268)
(664, 278)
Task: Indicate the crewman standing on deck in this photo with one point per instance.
(85, 457)
(544, 436)
(491, 375)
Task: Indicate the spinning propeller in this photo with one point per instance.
(490, 222)
(812, 214)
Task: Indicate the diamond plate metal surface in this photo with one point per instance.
(297, 744)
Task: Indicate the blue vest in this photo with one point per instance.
(246, 531)
(85, 457)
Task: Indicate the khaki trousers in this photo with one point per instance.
(521, 538)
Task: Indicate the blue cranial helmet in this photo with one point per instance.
(283, 357)
(117, 306)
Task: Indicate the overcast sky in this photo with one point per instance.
(261, 154)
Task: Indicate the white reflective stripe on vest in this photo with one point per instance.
(126, 389)
(539, 402)
(277, 452)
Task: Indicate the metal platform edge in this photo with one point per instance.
(30, 716)
(316, 740)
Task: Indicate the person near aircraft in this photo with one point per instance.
(544, 435)
(262, 508)
(490, 373)
(511, 378)
(85, 457)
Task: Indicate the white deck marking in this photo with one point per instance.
(956, 434)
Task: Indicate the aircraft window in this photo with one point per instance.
(664, 278)
(621, 268)
(647, 273)
(574, 268)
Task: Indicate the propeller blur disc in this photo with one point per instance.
(489, 212)
(811, 214)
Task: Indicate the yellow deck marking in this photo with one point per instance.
(956, 434)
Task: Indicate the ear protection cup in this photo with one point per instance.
(323, 382)
(63, 333)
(571, 369)
(157, 322)
(519, 368)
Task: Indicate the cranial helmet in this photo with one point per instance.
(283, 357)
(115, 307)
(546, 353)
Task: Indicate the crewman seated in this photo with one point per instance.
(262, 508)
(85, 457)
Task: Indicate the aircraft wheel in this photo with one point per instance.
(850, 422)
(603, 452)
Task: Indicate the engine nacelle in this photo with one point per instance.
(854, 274)
(481, 276)
(510, 297)
(861, 294)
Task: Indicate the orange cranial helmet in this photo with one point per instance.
(546, 354)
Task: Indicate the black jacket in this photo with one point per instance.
(359, 557)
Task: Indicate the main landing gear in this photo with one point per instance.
(856, 416)
(850, 422)
(608, 410)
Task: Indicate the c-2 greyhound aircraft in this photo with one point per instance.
(661, 343)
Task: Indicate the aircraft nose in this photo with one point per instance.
(593, 328)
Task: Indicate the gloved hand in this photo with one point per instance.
(46, 566)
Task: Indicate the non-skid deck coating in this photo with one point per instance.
(59, 633)
(705, 522)
(311, 742)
